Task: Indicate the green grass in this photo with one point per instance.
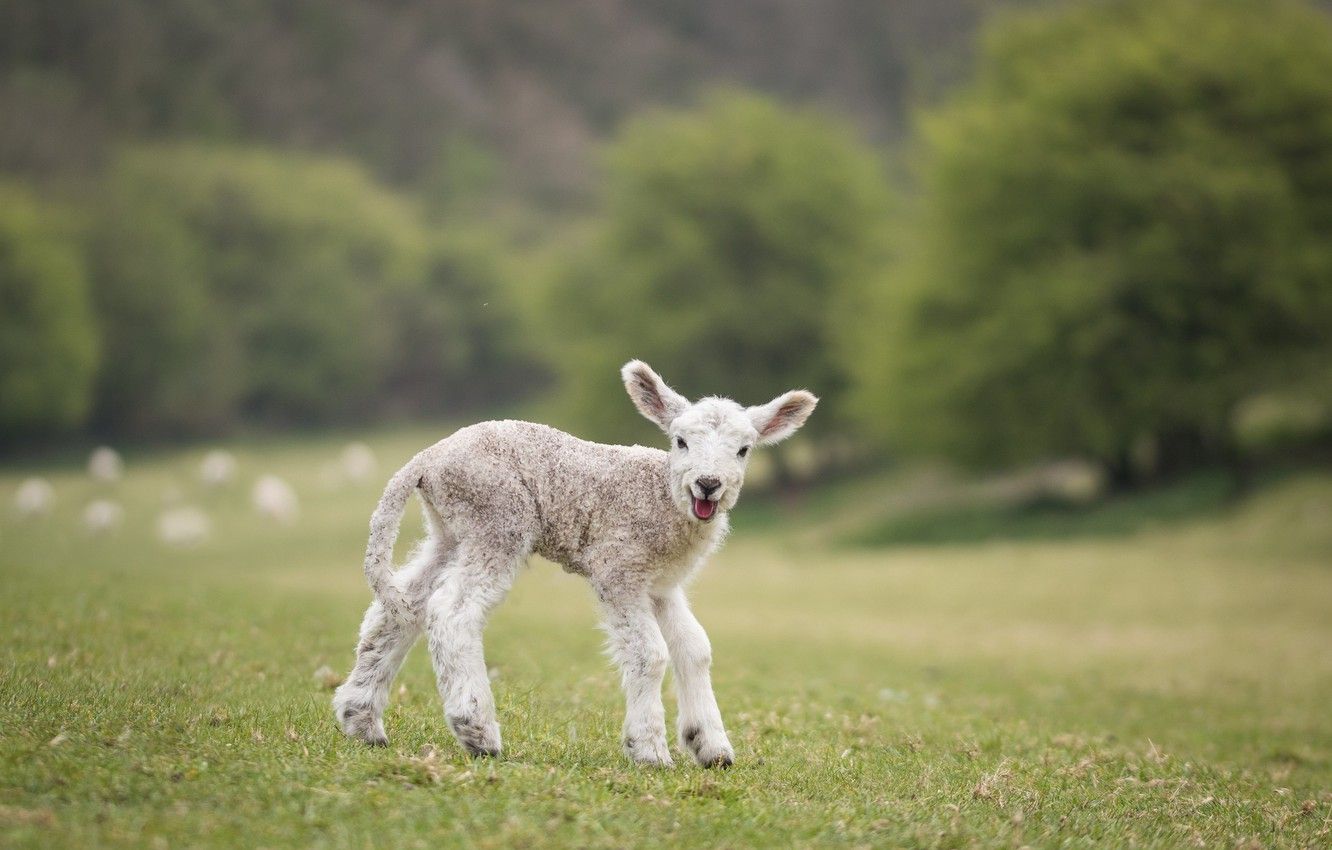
(1047, 518)
(1166, 686)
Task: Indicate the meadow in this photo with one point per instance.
(1161, 678)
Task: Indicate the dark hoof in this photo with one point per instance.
(706, 754)
(722, 761)
(478, 738)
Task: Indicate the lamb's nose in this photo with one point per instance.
(708, 486)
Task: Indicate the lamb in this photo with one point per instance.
(635, 522)
(217, 469)
(34, 498)
(102, 516)
(183, 527)
(273, 497)
(358, 462)
(104, 464)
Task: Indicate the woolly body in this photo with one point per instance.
(635, 521)
(601, 511)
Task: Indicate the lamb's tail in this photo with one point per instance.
(383, 534)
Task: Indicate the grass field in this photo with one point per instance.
(1166, 684)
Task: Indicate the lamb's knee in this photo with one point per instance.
(655, 661)
(647, 660)
(694, 653)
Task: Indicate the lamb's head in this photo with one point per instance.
(711, 439)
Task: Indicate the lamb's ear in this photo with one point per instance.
(783, 416)
(651, 396)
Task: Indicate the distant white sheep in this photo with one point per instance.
(217, 469)
(104, 464)
(102, 516)
(359, 463)
(274, 498)
(184, 526)
(34, 498)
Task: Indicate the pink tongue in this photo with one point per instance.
(703, 508)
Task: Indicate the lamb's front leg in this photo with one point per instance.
(700, 721)
(640, 651)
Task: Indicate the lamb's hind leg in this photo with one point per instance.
(473, 584)
(384, 642)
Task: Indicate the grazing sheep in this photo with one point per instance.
(104, 464)
(102, 516)
(217, 469)
(272, 497)
(184, 526)
(636, 522)
(358, 463)
(34, 498)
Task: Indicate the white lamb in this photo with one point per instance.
(102, 516)
(359, 464)
(183, 526)
(104, 464)
(272, 497)
(35, 497)
(217, 469)
(636, 522)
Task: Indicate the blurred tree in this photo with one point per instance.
(48, 343)
(171, 363)
(268, 288)
(728, 234)
(246, 284)
(1125, 229)
(538, 84)
(461, 344)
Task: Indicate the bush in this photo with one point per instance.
(729, 234)
(1122, 235)
(251, 285)
(48, 345)
(245, 283)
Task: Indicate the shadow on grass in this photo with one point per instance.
(1204, 494)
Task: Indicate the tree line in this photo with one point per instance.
(1110, 241)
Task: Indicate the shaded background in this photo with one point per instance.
(992, 233)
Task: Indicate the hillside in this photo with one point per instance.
(406, 86)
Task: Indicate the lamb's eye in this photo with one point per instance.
(680, 443)
(744, 450)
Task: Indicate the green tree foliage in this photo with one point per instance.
(728, 235)
(1123, 232)
(536, 83)
(170, 360)
(48, 343)
(461, 344)
(247, 284)
(270, 279)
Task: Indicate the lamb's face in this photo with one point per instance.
(710, 446)
(711, 440)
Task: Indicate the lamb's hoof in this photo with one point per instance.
(648, 750)
(709, 749)
(722, 759)
(480, 738)
(376, 739)
(359, 723)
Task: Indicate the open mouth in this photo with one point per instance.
(704, 508)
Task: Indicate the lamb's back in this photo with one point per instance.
(571, 492)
